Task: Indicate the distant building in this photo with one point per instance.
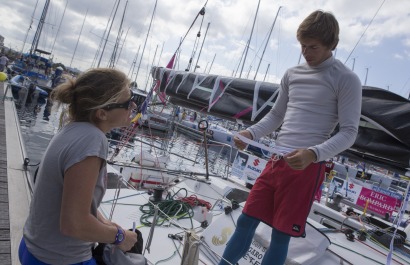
(1, 42)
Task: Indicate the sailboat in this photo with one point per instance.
(207, 203)
(357, 221)
(247, 101)
(33, 64)
(341, 229)
(188, 218)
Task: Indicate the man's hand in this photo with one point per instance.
(299, 159)
(239, 143)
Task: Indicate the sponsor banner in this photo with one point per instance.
(346, 188)
(247, 167)
(381, 201)
(239, 164)
(378, 202)
(393, 194)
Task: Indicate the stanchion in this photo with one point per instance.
(203, 125)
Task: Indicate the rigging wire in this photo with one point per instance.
(190, 27)
(113, 58)
(196, 43)
(368, 25)
(108, 34)
(267, 41)
(28, 30)
(79, 36)
(59, 26)
(249, 41)
(103, 37)
(122, 45)
(145, 42)
(133, 127)
(200, 50)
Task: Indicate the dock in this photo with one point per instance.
(15, 190)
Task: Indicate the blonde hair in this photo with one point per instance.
(321, 26)
(90, 91)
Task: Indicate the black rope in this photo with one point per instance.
(27, 163)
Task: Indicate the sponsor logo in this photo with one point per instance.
(256, 162)
(254, 169)
(296, 228)
(223, 238)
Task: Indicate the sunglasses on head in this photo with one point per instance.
(125, 105)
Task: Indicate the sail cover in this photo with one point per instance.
(384, 132)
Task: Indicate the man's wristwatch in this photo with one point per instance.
(119, 237)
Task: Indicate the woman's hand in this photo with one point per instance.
(239, 143)
(129, 241)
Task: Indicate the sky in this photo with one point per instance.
(374, 36)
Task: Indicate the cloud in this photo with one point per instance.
(230, 27)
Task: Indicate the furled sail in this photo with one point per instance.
(384, 130)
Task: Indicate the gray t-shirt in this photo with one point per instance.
(311, 102)
(75, 142)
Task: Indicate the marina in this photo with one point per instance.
(174, 174)
(219, 188)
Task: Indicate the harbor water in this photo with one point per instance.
(38, 132)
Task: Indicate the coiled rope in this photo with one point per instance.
(172, 207)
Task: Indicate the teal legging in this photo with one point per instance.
(241, 240)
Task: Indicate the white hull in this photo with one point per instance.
(222, 226)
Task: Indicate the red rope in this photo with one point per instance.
(194, 201)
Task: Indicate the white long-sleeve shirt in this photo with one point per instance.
(311, 102)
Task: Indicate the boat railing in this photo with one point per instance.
(220, 161)
(219, 158)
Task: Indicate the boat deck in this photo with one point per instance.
(5, 246)
(15, 190)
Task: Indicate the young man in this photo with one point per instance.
(314, 98)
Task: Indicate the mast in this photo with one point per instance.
(117, 41)
(108, 34)
(145, 43)
(206, 66)
(240, 61)
(103, 37)
(211, 64)
(122, 45)
(59, 26)
(196, 43)
(28, 30)
(160, 54)
(266, 73)
(267, 41)
(153, 59)
(134, 62)
(365, 79)
(76, 45)
(368, 25)
(36, 39)
(250, 37)
(203, 41)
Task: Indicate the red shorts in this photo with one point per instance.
(282, 197)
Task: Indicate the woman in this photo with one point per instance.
(64, 222)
